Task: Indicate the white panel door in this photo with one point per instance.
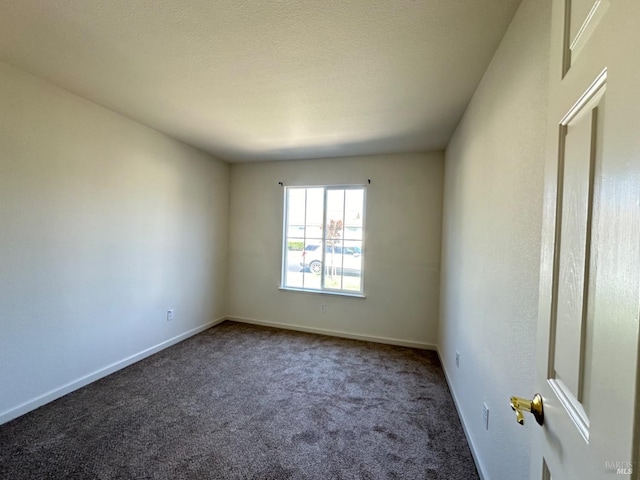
(587, 350)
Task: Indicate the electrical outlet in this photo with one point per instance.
(170, 314)
(457, 359)
(485, 416)
(323, 308)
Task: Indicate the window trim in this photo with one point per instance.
(322, 290)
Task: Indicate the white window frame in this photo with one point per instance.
(285, 238)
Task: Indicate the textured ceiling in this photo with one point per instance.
(266, 80)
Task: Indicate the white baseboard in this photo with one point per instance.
(336, 333)
(474, 451)
(98, 374)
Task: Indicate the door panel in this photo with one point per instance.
(570, 369)
(581, 17)
(573, 260)
(590, 264)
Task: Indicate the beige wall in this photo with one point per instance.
(104, 225)
(403, 231)
(491, 243)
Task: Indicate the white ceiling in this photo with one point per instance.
(267, 80)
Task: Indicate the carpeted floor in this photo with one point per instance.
(247, 402)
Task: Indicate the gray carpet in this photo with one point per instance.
(246, 402)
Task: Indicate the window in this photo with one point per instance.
(323, 247)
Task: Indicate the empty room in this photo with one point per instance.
(365, 239)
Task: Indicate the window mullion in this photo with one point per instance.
(344, 229)
(284, 279)
(323, 247)
(304, 236)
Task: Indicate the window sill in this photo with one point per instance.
(322, 292)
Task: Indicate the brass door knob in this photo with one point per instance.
(534, 407)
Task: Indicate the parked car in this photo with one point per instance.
(348, 259)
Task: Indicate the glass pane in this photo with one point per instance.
(294, 230)
(292, 268)
(293, 277)
(311, 264)
(344, 267)
(333, 269)
(294, 236)
(352, 283)
(333, 238)
(295, 206)
(314, 213)
(352, 266)
(353, 214)
(335, 207)
(335, 219)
